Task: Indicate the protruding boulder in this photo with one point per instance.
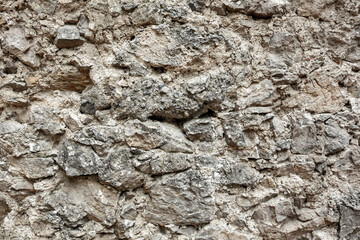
(255, 8)
(68, 36)
(237, 136)
(99, 136)
(304, 139)
(151, 97)
(197, 84)
(79, 198)
(30, 59)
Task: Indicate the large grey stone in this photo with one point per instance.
(153, 98)
(145, 135)
(99, 137)
(68, 36)
(303, 165)
(304, 139)
(237, 136)
(77, 160)
(10, 126)
(168, 163)
(197, 84)
(118, 171)
(239, 175)
(349, 223)
(74, 200)
(151, 134)
(185, 198)
(30, 59)
(202, 129)
(146, 14)
(336, 139)
(255, 8)
(35, 168)
(15, 41)
(51, 127)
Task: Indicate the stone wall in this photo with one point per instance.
(180, 119)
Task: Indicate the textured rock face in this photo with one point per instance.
(184, 120)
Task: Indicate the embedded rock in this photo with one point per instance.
(239, 175)
(202, 129)
(77, 160)
(236, 136)
(99, 137)
(84, 198)
(170, 163)
(303, 139)
(182, 199)
(35, 168)
(197, 84)
(30, 59)
(349, 228)
(260, 9)
(69, 78)
(144, 135)
(5, 209)
(10, 126)
(153, 98)
(68, 36)
(337, 139)
(15, 41)
(118, 171)
(150, 135)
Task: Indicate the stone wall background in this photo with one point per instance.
(186, 119)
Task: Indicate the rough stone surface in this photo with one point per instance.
(181, 120)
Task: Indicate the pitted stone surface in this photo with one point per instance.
(184, 120)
